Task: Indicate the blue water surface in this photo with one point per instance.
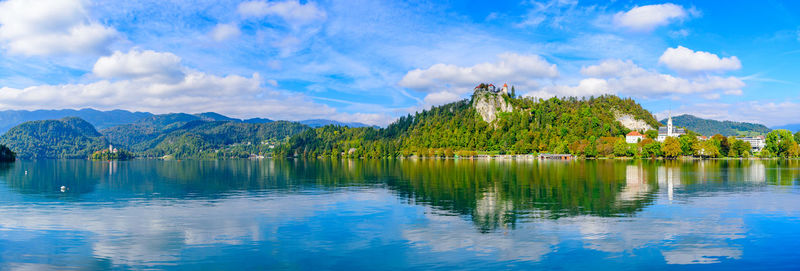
(400, 215)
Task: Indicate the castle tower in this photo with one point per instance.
(505, 89)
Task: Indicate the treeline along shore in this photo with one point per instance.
(493, 123)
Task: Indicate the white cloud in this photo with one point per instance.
(46, 27)
(625, 77)
(686, 60)
(291, 11)
(522, 69)
(223, 32)
(586, 87)
(157, 82)
(447, 82)
(613, 68)
(140, 64)
(441, 97)
(647, 18)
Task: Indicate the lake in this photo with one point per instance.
(399, 214)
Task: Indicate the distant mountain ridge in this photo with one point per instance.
(106, 119)
(709, 127)
(794, 127)
(316, 123)
(99, 119)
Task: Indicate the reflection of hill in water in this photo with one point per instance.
(492, 193)
(47, 176)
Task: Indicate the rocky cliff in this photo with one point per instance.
(488, 104)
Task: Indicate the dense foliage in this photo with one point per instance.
(456, 129)
(6, 154)
(64, 138)
(711, 127)
(111, 155)
(221, 139)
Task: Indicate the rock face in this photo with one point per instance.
(488, 104)
(632, 123)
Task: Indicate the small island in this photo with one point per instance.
(111, 154)
(6, 154)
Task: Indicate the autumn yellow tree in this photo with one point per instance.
(671, 148)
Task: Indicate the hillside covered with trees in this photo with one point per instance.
(559, 125)
(180, 136)
(710, 127)
(65, 138)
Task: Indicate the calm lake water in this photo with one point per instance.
(389, 214)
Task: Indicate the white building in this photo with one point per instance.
(757, 143)
(634, 137)
(669, 131)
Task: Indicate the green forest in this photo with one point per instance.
(178, 136)
(6, 154)
(558, 125)
(584, 127)
(65, 138)
(709, 127)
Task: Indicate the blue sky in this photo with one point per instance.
(373, 61)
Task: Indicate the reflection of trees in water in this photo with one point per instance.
(693, 177)
(499, 193)
(47, 176)
(492, 193)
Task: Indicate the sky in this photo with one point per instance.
(374, 61)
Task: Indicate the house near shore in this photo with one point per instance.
(669, 131)
(634, 137)
(757, 143)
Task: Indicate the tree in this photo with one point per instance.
(621, 149)
(779, 142)
(513, 92)
(652, 149)
(591, 149)
(687, 144)
(671, 148)
(765, 153)
(739, 148)
(708, 149)
(794, 150)
(6, 155)
(797, 137)
(651, 134)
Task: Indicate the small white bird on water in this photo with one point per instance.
(63, 189)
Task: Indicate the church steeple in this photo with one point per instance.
(669, 126)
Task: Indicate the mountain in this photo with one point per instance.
(316, 123)
(215, 117)
(100, 119)
(136, 136)
(258, 120)
(710, 127)
(69, 137)
(490, 122)
(216, 139)
(187, 136)
(795, 127)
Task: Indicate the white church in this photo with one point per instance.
(669, 131)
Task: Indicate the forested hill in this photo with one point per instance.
(64, 138)
(99, 119)
(489, 122)
(207, 135)
(175, 135)
(710, 127)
